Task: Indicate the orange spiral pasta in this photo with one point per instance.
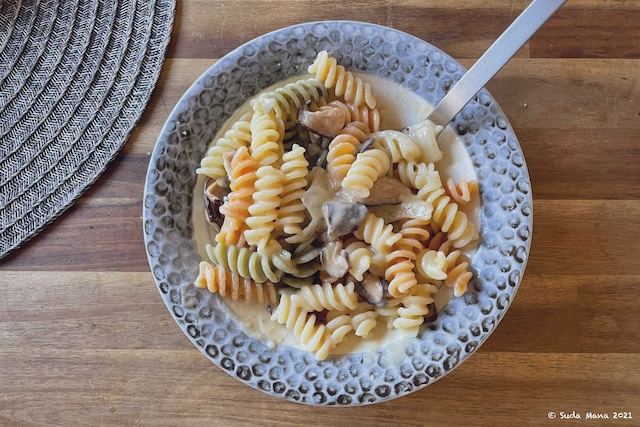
(236, 209)
(228, 283)
(367, 115)
(463, 191)
(458, 274)
(343, 82)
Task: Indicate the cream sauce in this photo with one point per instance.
(401, 108)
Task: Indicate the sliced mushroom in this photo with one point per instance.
(366, 144)
(387, 191)
(418, 209)
(342, 217)
(215, 194)
(372, 289)
(432, 314)
(334, 259)
(327, 121)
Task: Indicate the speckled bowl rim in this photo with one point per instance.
(357, 379)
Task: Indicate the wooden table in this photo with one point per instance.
(85, 338)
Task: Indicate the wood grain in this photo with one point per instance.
(85, 338)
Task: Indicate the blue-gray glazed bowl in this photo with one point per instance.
(462, 325)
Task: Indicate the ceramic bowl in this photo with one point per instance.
(461, 326)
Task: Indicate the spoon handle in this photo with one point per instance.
(498, 54)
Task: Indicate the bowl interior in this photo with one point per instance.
(355, 379)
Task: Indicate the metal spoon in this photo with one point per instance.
(498, 54)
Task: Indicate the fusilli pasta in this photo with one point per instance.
(414, 308)
(326, 297)
(239, 135)
(267, 134)
(364, 171)
(225, 282)
(315, 338)
(377, 233)
(293, 178)
(343, 82)
(242, 177)
(285, 101)
(264, 209)
(250, 264)
(291, 212)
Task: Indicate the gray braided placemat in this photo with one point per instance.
(75, 76)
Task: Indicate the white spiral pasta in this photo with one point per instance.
(315, 338)
(291, 212)
(432, 264)
(377, 233)
(343, 82)
(361, 320)
(414, 308)
(366, 168)
(267, 134)
(264, 210)
(339, 326)
(359, 256)
(326, 297)
(239, 135)
(364, 319)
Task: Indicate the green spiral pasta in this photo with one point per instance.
(285, 101)
(250, 264)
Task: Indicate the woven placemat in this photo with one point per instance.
(75, 76)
